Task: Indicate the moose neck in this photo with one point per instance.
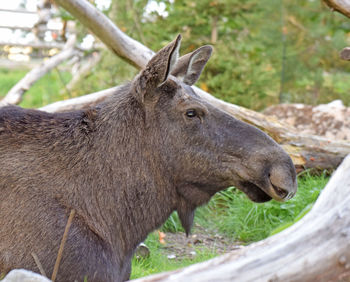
(123, 203)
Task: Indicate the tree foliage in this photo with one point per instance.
(266, 51)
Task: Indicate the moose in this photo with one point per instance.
(124, 165)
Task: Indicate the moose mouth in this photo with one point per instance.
(254, 192)
(258, 195)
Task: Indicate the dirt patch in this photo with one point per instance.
(178, 246)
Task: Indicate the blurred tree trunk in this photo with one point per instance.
(306, 151)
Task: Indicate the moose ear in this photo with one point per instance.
(158, 68)
(190, 66)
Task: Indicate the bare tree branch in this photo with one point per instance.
(341, 6)
(121, 44)
(84, 69)
(14, 96)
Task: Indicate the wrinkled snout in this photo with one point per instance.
(271, 175)
(283, 183)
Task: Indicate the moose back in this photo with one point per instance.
(124, 166)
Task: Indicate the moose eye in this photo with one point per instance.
(191, 113)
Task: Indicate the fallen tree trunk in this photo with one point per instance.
(77, 103)
(306, 151)
(316, 248)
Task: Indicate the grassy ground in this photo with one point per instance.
(231, 214)
(158, 260)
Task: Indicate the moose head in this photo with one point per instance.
(205, 149)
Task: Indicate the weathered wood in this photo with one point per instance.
(341, 6)
(121, 44)
(14, 96)
(84, 69)
(79, 102)
(306, 151)
(331, 120)
(18, 275)
(316, 248)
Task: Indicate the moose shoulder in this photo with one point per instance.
(124, 167)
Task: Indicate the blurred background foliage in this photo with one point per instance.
(266, 51)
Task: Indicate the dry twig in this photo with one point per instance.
(38, 264)
(60, 250)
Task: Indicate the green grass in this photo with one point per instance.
(232, 214)
(158, 261)
(49, 89)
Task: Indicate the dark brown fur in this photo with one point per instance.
(124, 166)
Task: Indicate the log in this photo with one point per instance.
(316, 248)
(306, 151)
(14, 96)
(78, 103)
